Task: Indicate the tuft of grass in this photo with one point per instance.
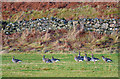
(111, 11)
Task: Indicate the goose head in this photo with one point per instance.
(85, 54)
(13, 57)
(102, 56)
(52, 57)
(76, 56)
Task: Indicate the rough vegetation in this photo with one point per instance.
(61, 39)
(103, 10)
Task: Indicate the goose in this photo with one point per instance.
(77, 59)
(81, 58)
(106, 59)
(46, 60)
(87, 58)
(94, 59)
(54, 60)
(16, 60)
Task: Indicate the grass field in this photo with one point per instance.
(33, 66)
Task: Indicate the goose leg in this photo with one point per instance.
(94, 62)
(105, 62)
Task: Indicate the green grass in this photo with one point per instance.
(32, 66)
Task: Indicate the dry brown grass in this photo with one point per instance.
(62, 39)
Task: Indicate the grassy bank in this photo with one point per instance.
(80, 12)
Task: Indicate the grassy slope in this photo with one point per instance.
(84, 11)
(32, 66)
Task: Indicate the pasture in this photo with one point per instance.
(33, 66)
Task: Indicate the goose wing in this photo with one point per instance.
(88, 58)
(57, 60)
(17, 60)
(107, 59)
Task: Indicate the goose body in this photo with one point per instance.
(46, 60)
(87, 58)
(54, 60)
(77, 59)
(106, 59)
(94, 59)
(16, 60)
